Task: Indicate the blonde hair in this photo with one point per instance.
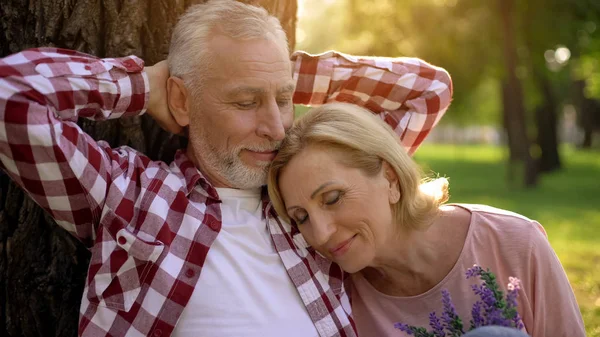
(189, 53)
(365, 142)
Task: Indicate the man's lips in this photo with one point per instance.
(263, 155)
(342, 247)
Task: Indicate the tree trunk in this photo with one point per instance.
(520, 160)
(546, 119)
(588, 113)
(42, 268)
(547, 130)
(586, 143)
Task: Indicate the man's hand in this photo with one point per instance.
(158, 107)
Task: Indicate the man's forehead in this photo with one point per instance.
(286, 87)
(267, 49)
(249, 66)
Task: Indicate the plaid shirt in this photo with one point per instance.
(149, 224)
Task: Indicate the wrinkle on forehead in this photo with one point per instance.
(259, 51)
(250, 61)
(246, 89)
(257, 63)
(306, 167)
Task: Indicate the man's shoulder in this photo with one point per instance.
(127, 157)
(132, 167)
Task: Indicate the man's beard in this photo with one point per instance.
(229, 165)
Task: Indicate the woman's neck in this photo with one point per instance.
(413, 261)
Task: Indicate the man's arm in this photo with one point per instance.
(42, 92)
(409, 94)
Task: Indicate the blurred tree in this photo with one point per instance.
(467, 37)
(42, 268)
(514, 109)
(586, 72)
(464, 37)
(553, 32)
(537, 39)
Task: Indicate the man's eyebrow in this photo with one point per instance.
(288, 88)
(246, 90)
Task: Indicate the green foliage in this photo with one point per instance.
(589, 70)
(464, 37)
(565, 203)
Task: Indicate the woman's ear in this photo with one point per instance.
(178, 99)
(393, 182)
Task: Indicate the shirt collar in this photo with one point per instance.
(192, 176)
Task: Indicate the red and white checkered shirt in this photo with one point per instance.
(149, 224)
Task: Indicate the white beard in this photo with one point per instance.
(230, 166)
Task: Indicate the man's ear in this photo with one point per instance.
(178, 100)
(394, 184)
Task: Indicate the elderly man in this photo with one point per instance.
(192, 248)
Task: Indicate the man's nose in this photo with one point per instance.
(270, 122)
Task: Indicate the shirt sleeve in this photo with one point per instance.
(42, 92)
(409, 94)
(554, 307)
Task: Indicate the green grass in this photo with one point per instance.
(566, 203)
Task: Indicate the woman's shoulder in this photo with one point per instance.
(497, 222)
(490, 213)
(493, 211)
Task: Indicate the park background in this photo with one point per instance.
(522, 131)
(521, 134)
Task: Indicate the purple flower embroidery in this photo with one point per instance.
(452, 323)
(436, 325)
(477, 320)
(404, 327)
(493, 308)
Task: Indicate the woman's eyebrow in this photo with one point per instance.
(314, 193)
(320, 188)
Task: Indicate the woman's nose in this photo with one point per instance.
(323, 229)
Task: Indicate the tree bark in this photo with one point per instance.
(514, 110)
(42, 268)
(546, 119)
(588, 113)
(547, 127)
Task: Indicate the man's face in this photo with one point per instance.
(240, 115)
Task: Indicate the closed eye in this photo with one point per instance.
(246, 105)
(332, 197)
(284, 102)
(300, 216)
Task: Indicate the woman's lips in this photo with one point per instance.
(342, 248)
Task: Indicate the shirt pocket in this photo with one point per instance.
(120, 267)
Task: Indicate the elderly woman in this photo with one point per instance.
(358, 199)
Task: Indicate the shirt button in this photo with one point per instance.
(157, 333)
(189, 273)
(122, 240)
(130, 64)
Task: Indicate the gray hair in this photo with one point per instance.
(189, 53)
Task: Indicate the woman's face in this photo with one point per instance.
(341, 212)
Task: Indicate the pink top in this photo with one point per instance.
(509, 245)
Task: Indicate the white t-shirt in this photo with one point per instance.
(244, 288)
